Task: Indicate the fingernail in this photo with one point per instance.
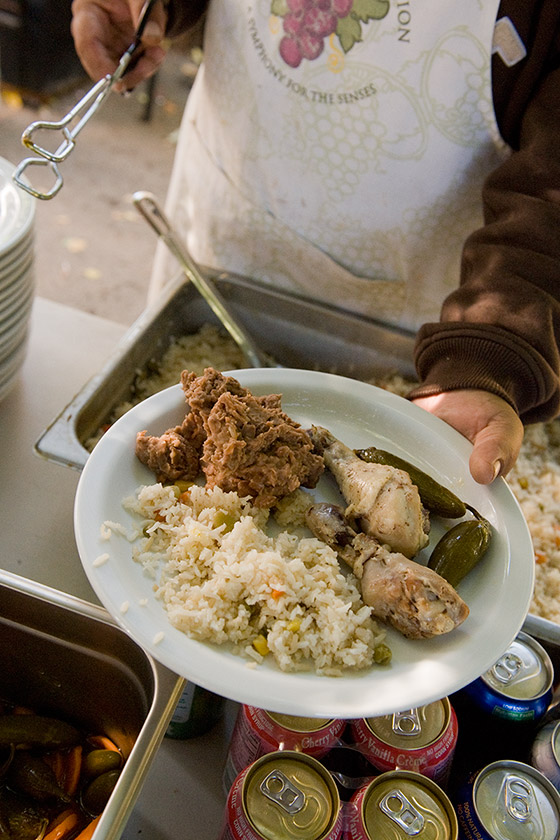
(152, 32)
(497, 468)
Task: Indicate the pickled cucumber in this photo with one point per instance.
(434, 496)
(97, 793)
(30, 775)
(460, 549)
(100, 761)
(37, 731)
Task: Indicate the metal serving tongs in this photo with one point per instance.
(148, 206)
(71, 125)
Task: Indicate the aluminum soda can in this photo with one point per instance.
(508, 800)
(398, 805)
(284, 795)
(518, 687)
(499, 713)
(422, 739)
(257, 732)
(545, 752)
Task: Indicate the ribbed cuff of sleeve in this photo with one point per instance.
(455, 356)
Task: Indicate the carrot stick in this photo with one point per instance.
(66, 767)
(73, 769)
(87, 833)
(55, 762)
(62, 826)
(102, 742)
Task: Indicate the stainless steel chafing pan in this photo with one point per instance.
(67, 658)
(296, 332)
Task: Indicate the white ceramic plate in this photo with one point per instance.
(17, 210)
(10, 275)
(498, 591)
(15, 255)
(20, 283)
(18, 305)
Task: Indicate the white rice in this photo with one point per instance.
(535, 481)
(223, 579)
(208, 347)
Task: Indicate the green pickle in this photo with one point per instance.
(460, 549)
(197, 711)
(37, 731)
(100, 761)
(434, 496)
(97, 793)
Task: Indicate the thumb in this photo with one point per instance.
(154, 29)
(496, 447)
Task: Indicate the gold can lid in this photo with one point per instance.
(412, 728)
(293, 723)
(402, 804)
(290, 796)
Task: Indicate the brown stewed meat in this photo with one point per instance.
(174, 454)
(241, 442)
(254, 448)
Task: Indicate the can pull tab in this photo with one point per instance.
(406, 723)
(399, 809)
(519, 798)
(277, 787)
(507, 668)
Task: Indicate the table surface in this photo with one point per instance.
(183, 794)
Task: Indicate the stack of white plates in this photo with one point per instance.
(17, 280)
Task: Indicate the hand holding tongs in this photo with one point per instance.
(71, 125)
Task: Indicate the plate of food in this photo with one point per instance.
(243, 528)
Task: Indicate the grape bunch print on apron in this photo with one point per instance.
(337, 148)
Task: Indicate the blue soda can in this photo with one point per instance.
(518, 687)
(508, 800)
(545, 752)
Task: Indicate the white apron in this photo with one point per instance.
(354, 177)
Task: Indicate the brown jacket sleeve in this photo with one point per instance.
(500, 330)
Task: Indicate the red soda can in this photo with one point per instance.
(258, 732)
(284, 795)
(545, 752)
(421, 739)
(401, 804)
(509, 800)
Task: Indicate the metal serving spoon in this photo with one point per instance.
(148, 206)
